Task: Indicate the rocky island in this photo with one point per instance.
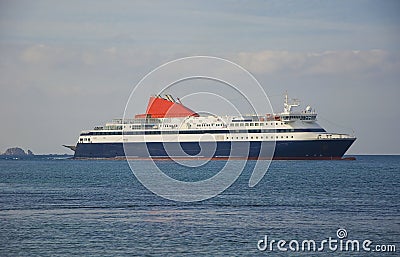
(16, 151)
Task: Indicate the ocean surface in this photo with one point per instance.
(62, 207)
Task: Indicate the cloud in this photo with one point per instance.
(316, 63)
(73, 71)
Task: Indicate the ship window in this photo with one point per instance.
(292, 136)
(287, 136)
(246, 124)
(251, 124)
(251, 137)
(241, 124)
(237, 137)
(256, 137)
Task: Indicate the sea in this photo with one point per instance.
(56, 206)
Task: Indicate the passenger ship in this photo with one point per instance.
(169, 129)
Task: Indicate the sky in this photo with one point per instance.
(66, 66)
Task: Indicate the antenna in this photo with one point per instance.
(288, 106)
(286, 98)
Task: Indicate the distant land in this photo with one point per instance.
(19, 152)
(16, 151)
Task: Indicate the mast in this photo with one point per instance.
(288, 107)
(286, 98)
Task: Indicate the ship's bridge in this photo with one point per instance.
(288, 115)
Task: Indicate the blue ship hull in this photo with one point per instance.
(287, 150)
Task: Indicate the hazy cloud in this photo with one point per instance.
(316, 63)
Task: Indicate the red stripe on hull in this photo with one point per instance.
(221, 158)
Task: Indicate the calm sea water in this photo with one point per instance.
(98, 208)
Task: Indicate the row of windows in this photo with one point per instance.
(251, 124)
(235, 123)
(252, 137)
(242, 124)
(242, 120)
(158, 132)
(299, 117)
(209, 125)
(145, 126)
(256, 137)
(255, 124)
(113, 127)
